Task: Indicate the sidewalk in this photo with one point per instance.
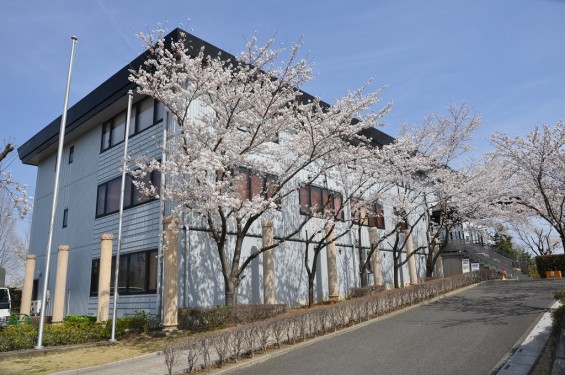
(525, 357)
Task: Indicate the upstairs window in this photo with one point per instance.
(144, 114)
(315, 200)
(108, 196)
(252, 184)
(403, 222)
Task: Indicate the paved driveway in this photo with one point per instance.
(466, 333)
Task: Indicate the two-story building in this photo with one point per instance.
(88, 208)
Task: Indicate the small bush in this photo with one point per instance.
(80, 319)
(558, 315)
(560, 296)
(366, 291)
(550, 263)
(16, 337)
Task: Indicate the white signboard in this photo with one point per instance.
(466, 265)
(475, 266)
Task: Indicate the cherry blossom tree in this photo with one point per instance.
(245, 139)
(535, 174)
(436, 182)
(15, 191)
(14, 204)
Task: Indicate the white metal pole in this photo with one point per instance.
(121, 218)
(166, 121)
(55, 197)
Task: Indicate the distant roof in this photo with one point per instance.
(117, 87)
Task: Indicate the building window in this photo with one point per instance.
(370, 215)
(403, 220)
(71, 154)
(65, 217)
(144, 114)
(252, 184)
(316, 200)
(108, 195)
(138, 273)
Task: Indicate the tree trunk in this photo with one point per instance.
(311, 278)
(230, 292)
(396, 274)
(362, 262)
(430, 265)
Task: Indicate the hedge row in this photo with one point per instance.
(546, 263)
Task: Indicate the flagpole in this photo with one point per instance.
(120, 221)
(55, 197)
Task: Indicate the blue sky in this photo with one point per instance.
(506, 58)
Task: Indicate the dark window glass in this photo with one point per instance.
(304, 199)
(113, 195)
(380, 217)
(145, 114)
(106, 131)
(71, 154)
(138, 196)
(65, 217)
(94, 274)
(256, 185)
(159, 111)
(108, 196)
(132, 129)
(101, 200)
(315, 199)
(119, 129)
(138, 273)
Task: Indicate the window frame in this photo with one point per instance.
(377, 218)
(129, 191)
(109, 125)
(65, 217)
(71, 154)
(249, 177)
(126, 262)
(307, 191)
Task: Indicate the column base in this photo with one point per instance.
(170, 329)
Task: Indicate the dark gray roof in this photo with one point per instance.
(117, 87)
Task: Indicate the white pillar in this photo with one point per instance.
(25, 307)
(331, 253)
(170, 274)
(60, 284)
(104, 277)
(411, 258)
(376, 258)
(268, 265)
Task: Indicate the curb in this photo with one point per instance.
(529, 348)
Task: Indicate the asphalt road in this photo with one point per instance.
(465, 333)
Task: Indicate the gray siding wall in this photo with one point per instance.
(78, 190)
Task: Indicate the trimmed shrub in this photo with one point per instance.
(200, 319)
(546, 263)
(366, 291)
